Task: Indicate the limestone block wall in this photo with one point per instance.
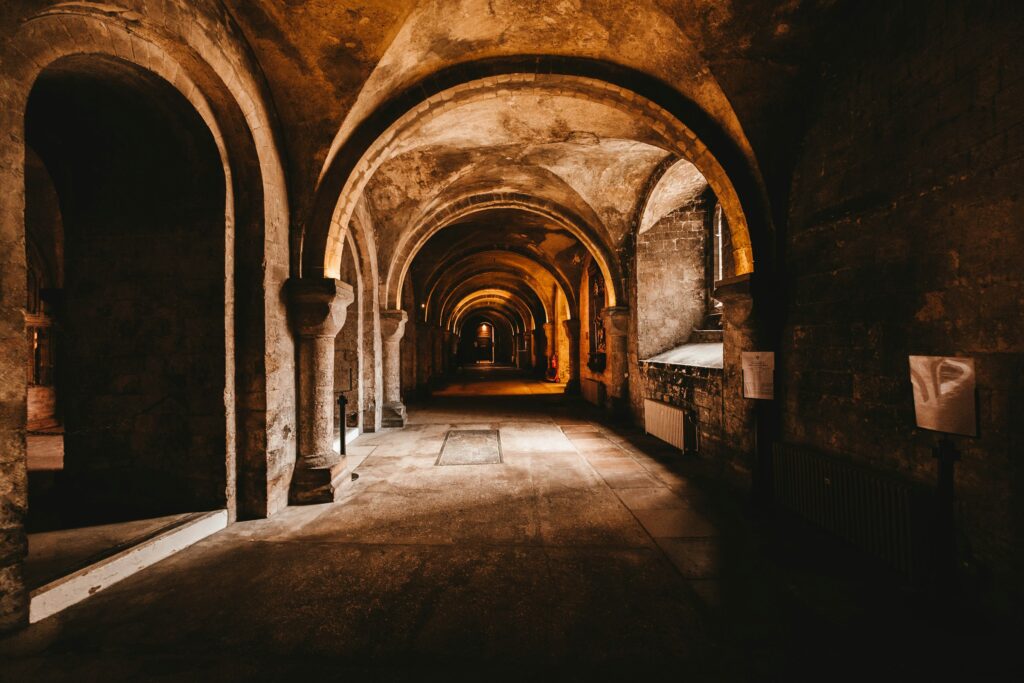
(143, 371)
(693, 389)
(667, 290)
(905, 237)
(346, 374)
(347, 348)
(670, 270)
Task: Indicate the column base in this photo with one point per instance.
(572, 386)
(312, 485)
(371, 421)
(393, 415)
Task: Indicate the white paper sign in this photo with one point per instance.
(758, 374)
(944, 394)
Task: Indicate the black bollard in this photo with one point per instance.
(342, 404)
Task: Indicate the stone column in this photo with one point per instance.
(317, 308)
(539, 347)
(424, 359)
(454, 363)
(616, 327)
(743, 418)
(392, 327)
(572, 331)
(549, 347)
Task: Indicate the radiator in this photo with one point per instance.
(593, 391)
(883, 515)
(664, 421)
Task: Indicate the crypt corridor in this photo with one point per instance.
(422, 338)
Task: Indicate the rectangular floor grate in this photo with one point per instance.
(470, 447)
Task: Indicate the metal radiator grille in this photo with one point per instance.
(886, 516)
(664, 421)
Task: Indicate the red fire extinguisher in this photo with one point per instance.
(553, 368)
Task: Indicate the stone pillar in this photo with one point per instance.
(539, 347)
(550, 350)
(424, 360)
(616, 329)
(453, 362)
(317, 307)
(572, 331)
(743, 418)
(392, 327)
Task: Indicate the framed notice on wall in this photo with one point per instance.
(758, 374)
(944, 394)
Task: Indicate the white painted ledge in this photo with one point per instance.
(77, 586)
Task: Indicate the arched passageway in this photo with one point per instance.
(134, 229)
(306, 259)
(501, 185)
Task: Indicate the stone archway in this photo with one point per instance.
(231, 109)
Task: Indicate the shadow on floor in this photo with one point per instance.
(592, 551)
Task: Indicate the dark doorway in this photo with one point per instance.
(125, 222)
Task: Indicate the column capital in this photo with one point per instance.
(572, 327)
(392, 324)
(318, 305)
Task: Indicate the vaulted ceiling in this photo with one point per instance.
(559, 175)
(330, 63)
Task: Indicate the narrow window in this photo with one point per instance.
(719, 246)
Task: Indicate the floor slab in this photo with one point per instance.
(590, 552)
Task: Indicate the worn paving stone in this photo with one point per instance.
(659, 498)
(695, 558)
(676, 523)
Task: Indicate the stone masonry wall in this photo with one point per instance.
(667, 291)
(906, 237)
(670, 269)
(693, 389)
(347, 346)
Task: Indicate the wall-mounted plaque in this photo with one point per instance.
(944, 394)
(758, 374)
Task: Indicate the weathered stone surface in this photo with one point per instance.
(911, 244)
(616, 325)
(318, 310)
(392, 327)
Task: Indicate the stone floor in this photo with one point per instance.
(590, 552)
(497, 380)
